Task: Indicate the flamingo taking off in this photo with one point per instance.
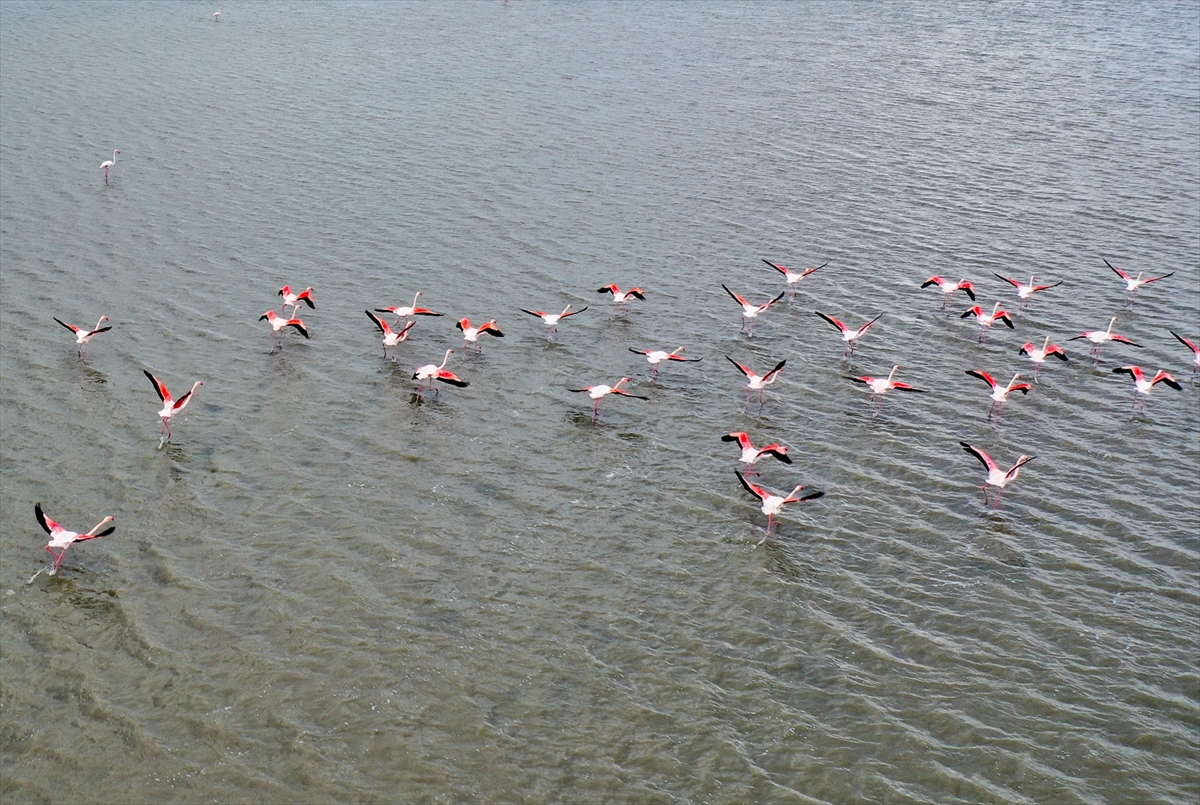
(407, 312)
(882, 385)
(62, 539)
(848, 335)
(82, 336)
(750, 312)
(471, 334)
(171, 407)
(756, 381)
(995, 476)
(1039, 356)
(551, 320)
(1133, 283)
(657, 356)
(294, 300)
(1142, 387)
(986, 320)
(277, 323)
(390, 337)
(792, 278)
(1000, 393)
(1101, 337)
(1024, 292)
(948, 287)
(751, 454)
(771, 504)
(621, 298)
(598, 392)
(1195, 351)
(108, 163)
(432, 372)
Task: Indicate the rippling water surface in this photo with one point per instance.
(327, 589)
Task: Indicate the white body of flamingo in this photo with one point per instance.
(995, 476)
(390, 337)
(471, 334)
(656, 356)
(294, 300)
(621, 298)
(171, 407)
(108, 163)
(1039, 356)
(755, 381)
(432, 372)
(751, 454)
(772, 504)
(597, 393)
(277, 323)
(986, 320)
(217, 14)
(1101, 337)
(948, 287)
(407, 312)
(82, 336)
(61, 538)
(1000, 393)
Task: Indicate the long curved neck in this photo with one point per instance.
(415, 298)
(892, 373)
(1046, 344)
(443, 366)
(1110, 324)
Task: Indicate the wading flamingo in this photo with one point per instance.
(848, 335)
(551, 320)
(471, 334)
(621, 298)
(62, 539)
(277, 323)
(1000, 393)
(948, 287)
(751, 454)
(1039, 356)
(995, 476)
(171, 407)
(390, 337)
(108, 163)
(657, 356)
(756, 381)
(294, 300)
(432, 372)
(598, 392)
(1142, 387)
(792, 278)
(82, 336)
(986, 320)
(407, 312)
(771, 504)
(750, 312)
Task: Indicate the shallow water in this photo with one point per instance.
(325, 588)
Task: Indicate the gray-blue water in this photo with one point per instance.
(326, 590)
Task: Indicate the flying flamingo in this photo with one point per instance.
(751, 454)
(597, 392)
(756, 381)
(621, 298)
(82, 336)
(1039, 356)
(1133, 283)
(62, 538)
(1024, 292)
(390, 337)
(471, 334)
(551, 320)
(771, 504)
(108, 163)
(1195, 350)
(986, 320)
(171, 407)
(750, 312)
(996, 477)
(848, 335)
(431, 373)
(792, 278)
(657, 356)
(947, 288)
(882, 385)
(1100, 337)
(1142, 386)
(277, 323)
(1000, 393)
(294, 300)
(407, 312)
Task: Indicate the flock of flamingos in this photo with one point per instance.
(771, 504)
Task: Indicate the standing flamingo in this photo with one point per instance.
(293, 300)
(1024, 292)
(621, 298)
(62, 538)
(750, 312)
(1039, 356)
(995, 476)
(217, 14)
(751, 454)
(948, 287)
(1133, 283)
(432, 372)
(1142, 387)
(82, 336)
(390, 337)
(409, 311)
(170, 407)
(771, 504)
(277, 323)
(1101, 337)
(598, 392)
(1000, 393)
(471, 334)
(792, 278)
(986, 320)
(756, 381)
(657, 356)
(108, 163)
(848, 335)
(1195, 351)
(882, 385)
(551, 320)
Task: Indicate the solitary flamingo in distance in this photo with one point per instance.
(751, 454)
(82, 336)
(551, 320)
(432, 372)
(848, 335)
(62, 539)
(1195, 350)
(986, 320)
(621, 298)
(217, 14)
(597, 392)
(657, 356)
(771, 504)
(1101, 337)
(1133, 283)
(471, 334)
(294, 300)
(390, 337)
(108, 163)
(277, 323)
(1024, 292)
(1142, 386)
(1038, 356)
(1000, 393)
(792, 278)
(750, 312)
(171, 407)
(882, 385)
(996, 477)
(947, 287)
(407, 312)
(756, 381)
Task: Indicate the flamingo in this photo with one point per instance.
(995, 476)
(751, 454)
(471, 334)
(771, 504)
(947, 287)
(621, 298)
(431, 373)
(1133, 283)
(882, 385)
(756, 381)
(750, 312)
(986, 320)
(1195, 350)
(657, 356)
(1000, 393)
(390, 337)
(294, 300)
(551, 320)
(82, 336)
(407, 312)
(848, 335)
(1024, 292)
(1100, 337)
(217, 14)
(1142, 387)
(598, 392)
(792, 278)
(108, 163)
(170, 407)
(62, 538)
(1038, 356)
(278, 322)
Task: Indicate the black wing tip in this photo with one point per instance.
(105, 532)
(968, 313)
(784, 457)
(970, 294)
(812, 496)
(462, 384)
(309, 302)
(41, 517)
(728, 437)
(301, 330)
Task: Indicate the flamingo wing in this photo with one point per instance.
(382, 325)
(1125, 340)
(779, 451)
(1009, 280)
(1133, 371)
(769, 376)
(99, 330)
(452, 379)
(808, 271)
(737, 298)
(1003, 316)
(1120, 273)
(48, 525)
(298, 325)
(540, 314)
(753, 489)
(570, 312)
(831, 320)
(1024, 460)
(740, 437)
(802, 498)
(104, 533)
(983, 457)
(975, 311)
(898, 386)
(746, 370)
(867, 326)
(1178, 337)
(932, 281)
(1047, 287)
(182, 402)
(161, 389)
(984, 376)
(75, 329)
(778, 268)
